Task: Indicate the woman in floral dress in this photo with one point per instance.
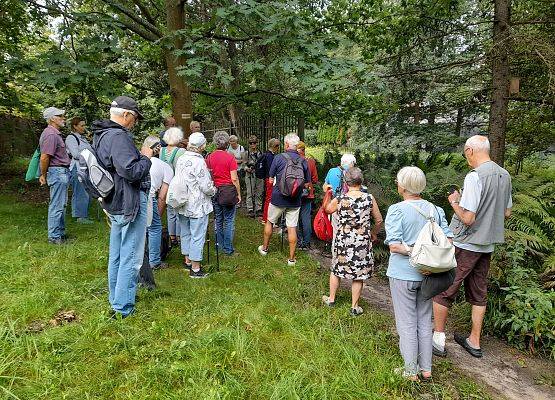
(352, 255)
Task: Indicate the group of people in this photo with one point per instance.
(179, 178)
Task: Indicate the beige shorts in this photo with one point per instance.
(291, 215)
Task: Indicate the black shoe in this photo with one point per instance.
(160, 266)
(187, 266)
(198, 274)
(438, 353)
(461, 340)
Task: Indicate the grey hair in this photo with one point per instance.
(173, 136)
(117, 111)
(292, 139)
(150, 141)
(221, 140)
(354, 177)
(348, 159)
(412, 179)
(478, 143)
(233, 138)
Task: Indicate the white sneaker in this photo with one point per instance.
(291, 263)
(262, 251)
(438, 344)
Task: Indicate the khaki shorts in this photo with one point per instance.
(291, 215)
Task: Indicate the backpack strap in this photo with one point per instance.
(428, 217)
(172, 156)
(163, 154)
(76, 138)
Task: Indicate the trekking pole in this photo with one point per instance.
(217, 247)
(252, 196)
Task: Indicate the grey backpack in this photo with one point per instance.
(97, 181)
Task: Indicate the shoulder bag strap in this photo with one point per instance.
(419, 210)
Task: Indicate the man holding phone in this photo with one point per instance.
(478, 224)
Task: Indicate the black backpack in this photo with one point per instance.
(291, 182)
(261, 167)
(165, 245)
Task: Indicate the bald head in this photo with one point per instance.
(478, 143)
(476, 150)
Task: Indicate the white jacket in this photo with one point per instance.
(192, 170)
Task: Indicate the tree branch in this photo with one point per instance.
(133, 16)
(436, 67)
(145, 12)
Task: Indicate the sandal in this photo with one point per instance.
(401, 372)
(423, 378)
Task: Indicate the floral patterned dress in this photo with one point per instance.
(353, 257)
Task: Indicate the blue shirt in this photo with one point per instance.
(333, 178)
(403, 224)
(276, 169)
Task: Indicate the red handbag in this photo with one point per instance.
(322, 224)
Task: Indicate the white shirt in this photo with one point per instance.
(470, 199)
(160, 172)
(238, 154)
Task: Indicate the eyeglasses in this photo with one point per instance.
(253, 142)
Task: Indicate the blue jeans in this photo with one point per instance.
(173, 222)
(154, 236)
(127, 246)
(58, 181)
(80, 199)
(224, 225)
(193, 236)
(304, 229)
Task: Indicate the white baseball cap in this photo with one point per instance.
(197, 139)
(52, 112)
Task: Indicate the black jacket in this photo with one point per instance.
(130, 169)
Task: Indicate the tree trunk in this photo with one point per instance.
(432, 115)
(500, 79)
(416, 106)
(180, 92)
(458, 124)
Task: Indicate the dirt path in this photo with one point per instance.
(507, 372)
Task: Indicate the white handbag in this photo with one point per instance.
(432, 251)
(178, 192)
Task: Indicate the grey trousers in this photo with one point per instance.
(255, 191)
(413, 317)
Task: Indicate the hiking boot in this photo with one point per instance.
(198, 274)
(84, 221)
(462, 340)
(162, 265)
(262, 251)
(355, 312)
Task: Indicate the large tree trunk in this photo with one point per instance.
(180, 92)
(500, 77)
(459, 122)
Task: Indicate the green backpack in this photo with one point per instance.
(33, 170)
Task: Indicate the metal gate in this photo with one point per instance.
(263, 128)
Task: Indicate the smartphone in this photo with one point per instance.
(155, 145)
(453, 189)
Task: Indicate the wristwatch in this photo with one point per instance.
(454, 202)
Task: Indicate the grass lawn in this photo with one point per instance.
(255, 330)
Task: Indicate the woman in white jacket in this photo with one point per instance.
(191, 171)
